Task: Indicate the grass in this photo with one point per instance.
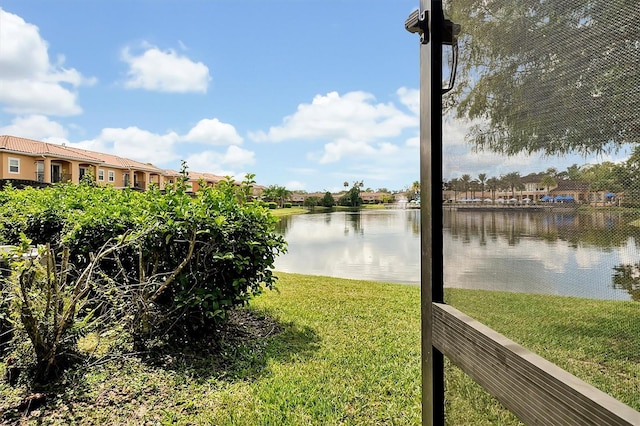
(290, 211)
(329, 351)
(595, 340)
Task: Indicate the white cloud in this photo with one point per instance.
(36, 127)
(353, 115)
(30, 83)
(220, 163)
(238, 157)
(334, 151)
(413, 142)
(294, 185)
(213, 132)
(165, 71)
(410, 98)
(136, 144)
(149, 147)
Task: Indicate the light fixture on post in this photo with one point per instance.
(450, 38)
(418, 22)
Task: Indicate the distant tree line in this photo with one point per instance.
(618, 178)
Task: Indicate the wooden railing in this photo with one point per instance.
(534, 389)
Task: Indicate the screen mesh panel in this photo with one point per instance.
(541, 179)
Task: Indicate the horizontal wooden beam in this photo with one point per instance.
(534, 389)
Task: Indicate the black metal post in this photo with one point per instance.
(431, 208)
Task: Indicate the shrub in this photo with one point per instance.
(165, 264)
(272, 205)
(328, 200)
(311, 201)
(287, 205)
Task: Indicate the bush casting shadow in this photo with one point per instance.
(238, 349)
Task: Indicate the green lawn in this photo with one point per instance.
(326, 351)
(288, 211)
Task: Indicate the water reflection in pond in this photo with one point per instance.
(379, 245)
(592, 255)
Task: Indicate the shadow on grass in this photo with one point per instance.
(240, 348)
(605, 337)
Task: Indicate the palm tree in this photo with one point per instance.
(270, 193)
(277, 193)
(482, 178)
(513, 181)
(415, 187)
(493, 184)
(465, 181)
(454, 185)
(547, 182)
(283, 195)
(474, 186)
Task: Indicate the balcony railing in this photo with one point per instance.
(60, 177)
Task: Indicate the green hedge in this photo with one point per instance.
(222, 246)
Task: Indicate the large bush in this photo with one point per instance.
(165, 263)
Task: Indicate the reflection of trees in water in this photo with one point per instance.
(282, 225)
(598, 229)
(413, 222)
(627, 277)
(604, 230)
(355, 221)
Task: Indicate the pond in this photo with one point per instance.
(594, 255)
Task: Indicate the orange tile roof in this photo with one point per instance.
(120, 162)
(169, 172)
(37, 148)
(205, 176)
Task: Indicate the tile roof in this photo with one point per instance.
(205, 176)
(173, 173)
(571, 185)
(120, 162)
(37, 148)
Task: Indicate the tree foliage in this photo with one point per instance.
(549, 77)
(277, 193)
(548, 182)
(352, 197)
(311, 201)
(328, 200)
(167, 264)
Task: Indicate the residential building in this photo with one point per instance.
(30, 162)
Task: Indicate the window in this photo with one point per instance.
(101, 175)
(40, 171)
(112, 176)
(14, 165)
(83, 171)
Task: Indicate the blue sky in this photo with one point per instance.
(303, 93)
